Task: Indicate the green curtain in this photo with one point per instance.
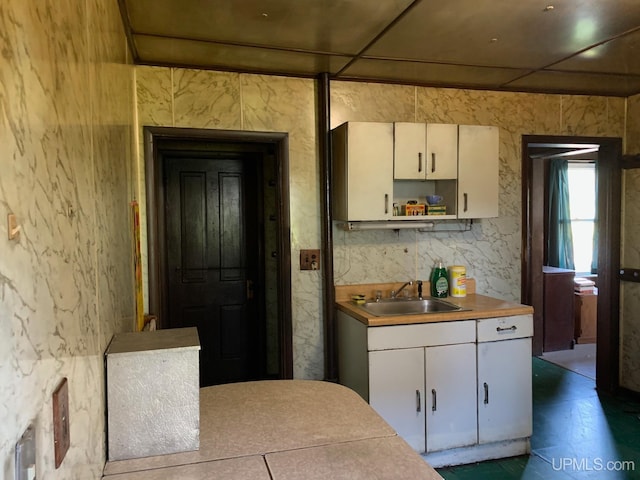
(560, 237)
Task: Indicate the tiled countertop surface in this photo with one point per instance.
(283, 429)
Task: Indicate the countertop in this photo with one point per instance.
(475, 306)
(281, 430)
(552, 270)
(136, 343)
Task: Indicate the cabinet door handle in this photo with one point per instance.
(512, 328)
(418, 402)
(434, 398)
(386, 203)
(465, 202)
(419, 161)
(486, 393)
(433, 162)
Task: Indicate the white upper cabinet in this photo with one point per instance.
(425, 151)
(409, 147)
(442, 151)
(363, 171)
(478, 165)
(378, 165)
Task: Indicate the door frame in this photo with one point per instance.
(609, 218)
(156, 247)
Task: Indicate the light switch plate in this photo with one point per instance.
(61, 439)
(309, 259)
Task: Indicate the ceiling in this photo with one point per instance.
(555, 46)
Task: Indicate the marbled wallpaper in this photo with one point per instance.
(630, 293)
(66, 103)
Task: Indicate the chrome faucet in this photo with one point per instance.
(395, 293)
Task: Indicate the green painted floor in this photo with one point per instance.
(577, 434)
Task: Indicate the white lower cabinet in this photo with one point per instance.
(422, 400)
(504, 394)
(458, 392)
(450, 378)
(396, 392)
(504, 379)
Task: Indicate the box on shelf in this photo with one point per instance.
(412, 210)
(436, 210)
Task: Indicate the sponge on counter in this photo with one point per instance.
(358, 299)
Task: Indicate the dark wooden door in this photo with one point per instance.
(212, 254)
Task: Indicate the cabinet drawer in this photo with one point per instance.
(421, 335)
(505, 328)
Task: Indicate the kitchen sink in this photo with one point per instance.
(411, 306)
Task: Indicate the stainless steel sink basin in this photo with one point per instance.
(414, 306)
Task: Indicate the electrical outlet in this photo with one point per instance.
(61, 439)
(309, 259)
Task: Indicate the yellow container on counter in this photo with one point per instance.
(457, 281)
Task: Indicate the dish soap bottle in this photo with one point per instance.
(439, 282)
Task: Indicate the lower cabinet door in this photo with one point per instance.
(504, 390)
(396, 392)
(451, 419)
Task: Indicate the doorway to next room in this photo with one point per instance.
(219, 247)
(570, 223)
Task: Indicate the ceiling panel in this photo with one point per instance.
(574, 46)
(578, 83)
(167, 51)
(338, 26)
(526, 36)
(430, 73)
(621, 55)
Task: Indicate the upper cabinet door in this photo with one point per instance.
(409, 146)
(425, 151)
(478, 163)
(363, 171)
(442, 151)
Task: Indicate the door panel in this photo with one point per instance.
(193, 220)
(396, 392)
(231, 231)
(451, 396)
(207, 253)
(504, 394)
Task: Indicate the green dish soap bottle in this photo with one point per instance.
(439, 281)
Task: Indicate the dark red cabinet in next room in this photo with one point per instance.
(558, 309)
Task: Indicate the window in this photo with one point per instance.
(582, 198)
